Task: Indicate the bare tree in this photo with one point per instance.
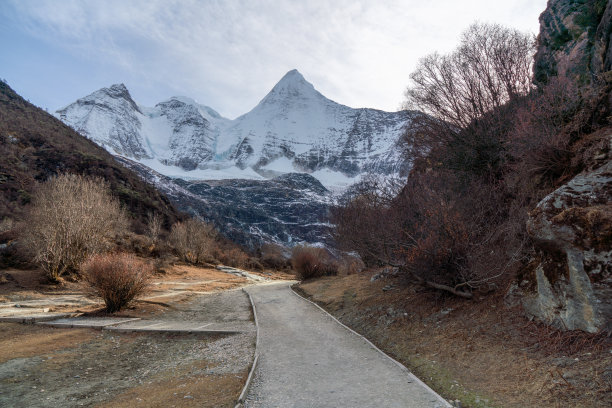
(154, 225)
(492, 66)
(193, 240)
(71, 218)
(464, 97)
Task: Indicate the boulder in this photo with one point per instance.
(572, 231)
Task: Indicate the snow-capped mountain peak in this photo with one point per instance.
(293, 85)
(293, 128)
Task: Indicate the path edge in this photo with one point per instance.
(247, 384)
(400, 365)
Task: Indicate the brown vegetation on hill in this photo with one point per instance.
(35, 146)
(487, 148)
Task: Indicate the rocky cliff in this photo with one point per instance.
(571, 228)
(287, 209)
(574, 40)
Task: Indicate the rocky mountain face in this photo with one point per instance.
(264, 169)
(574, 40)
(293, 129)
(572, 226)
(286, 209)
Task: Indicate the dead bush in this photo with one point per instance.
(273, 256)
(154, 226)
(193, 240)
(350, 265)
(232, 256)
(71, 218)
(540, 140)
(117, 278)
(312, 262)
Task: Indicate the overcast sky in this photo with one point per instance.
(229, 54)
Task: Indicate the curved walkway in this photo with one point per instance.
(307, 359)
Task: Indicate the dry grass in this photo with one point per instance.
(205, 391)
(19, 341)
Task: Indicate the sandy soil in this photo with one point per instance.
(479, 352)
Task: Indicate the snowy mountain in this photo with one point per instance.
(293, 129)
(286, 210)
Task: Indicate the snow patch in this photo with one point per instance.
(282, 164)
(334, 181)
(226, 173)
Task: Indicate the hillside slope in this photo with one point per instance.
(34, 145)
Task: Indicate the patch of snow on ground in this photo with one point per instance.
(232, 172)
(334, 181)
(282, 164)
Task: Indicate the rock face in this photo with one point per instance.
(572, 228)
(574, 40)
(293, 129)
(176, 132)
(287, 209)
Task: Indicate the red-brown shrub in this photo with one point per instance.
(117, 278)
(232, 256)
(312, 262)
(543, 130)
(273, 257)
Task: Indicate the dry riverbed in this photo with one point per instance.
(43, 366)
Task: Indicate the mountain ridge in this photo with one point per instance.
(294, 128)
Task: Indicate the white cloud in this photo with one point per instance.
(228, 54)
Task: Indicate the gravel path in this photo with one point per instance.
(307, 359)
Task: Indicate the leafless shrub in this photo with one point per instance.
(194, 240)
(154, 225)
(71, 218)
(542, 134)
(232, 256)
(438, 231)
(312, 262)
(273, 257)
(364, 221)
(117, 278)
(349, 265)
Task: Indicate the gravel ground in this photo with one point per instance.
(133, 369)
(306, 359)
